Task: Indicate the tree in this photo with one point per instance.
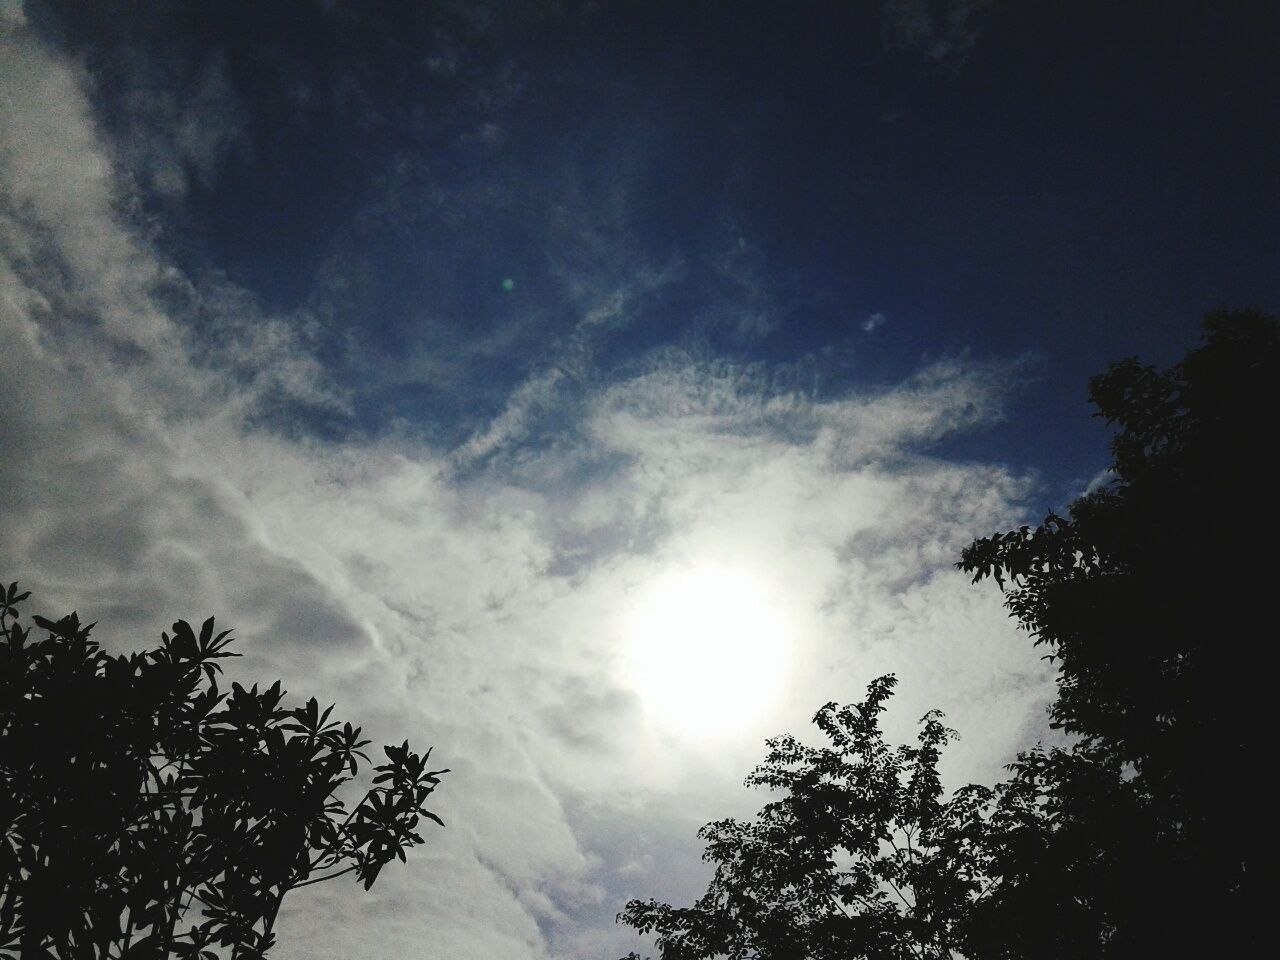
(1151, 597)
(860, 857)
(1135, 591)
(149, 814)
(1139, 839)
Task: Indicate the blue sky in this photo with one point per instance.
(424, 343)
(1072, 182)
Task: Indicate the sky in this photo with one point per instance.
(595, 389)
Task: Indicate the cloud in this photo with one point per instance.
(874, 322)
(940, 29)
(182, 122)
(158, 464)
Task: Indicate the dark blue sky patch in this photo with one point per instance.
(1079, 182)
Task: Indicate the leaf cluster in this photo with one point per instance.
(1140, 589)
(859, 856)
(1150, 595)
(149, 813)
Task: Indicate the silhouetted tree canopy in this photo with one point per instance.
(860, 857)
(149, 814)
(1148, 581)
(1141, 839)
(1150, 595)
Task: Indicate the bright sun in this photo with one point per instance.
(707, 650)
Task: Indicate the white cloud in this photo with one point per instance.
(874, 322)
(11, 12)
(542, 391)
(940, 29)
(1100, 480)
(479, 610)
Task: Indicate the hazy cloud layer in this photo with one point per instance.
(475, 595)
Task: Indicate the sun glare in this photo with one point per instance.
(707, 650)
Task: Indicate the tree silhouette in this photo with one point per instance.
(860, 857)
(148, 814)
(1150, 596)
(1138, 840)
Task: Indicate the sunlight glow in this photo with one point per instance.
(708, 650)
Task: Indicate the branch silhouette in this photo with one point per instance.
(1148, 596)
(135, 793)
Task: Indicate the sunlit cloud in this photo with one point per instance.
(622, 554)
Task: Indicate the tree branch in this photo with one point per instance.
(307, 883)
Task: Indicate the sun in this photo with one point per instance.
(707, 650)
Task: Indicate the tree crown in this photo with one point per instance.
(149, 813)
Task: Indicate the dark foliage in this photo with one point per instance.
(149, 814)
(1150, 597)
(1141, 840)
(860, 857)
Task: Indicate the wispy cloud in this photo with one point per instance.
(474, 596)
(180, 125)
(940, 29)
